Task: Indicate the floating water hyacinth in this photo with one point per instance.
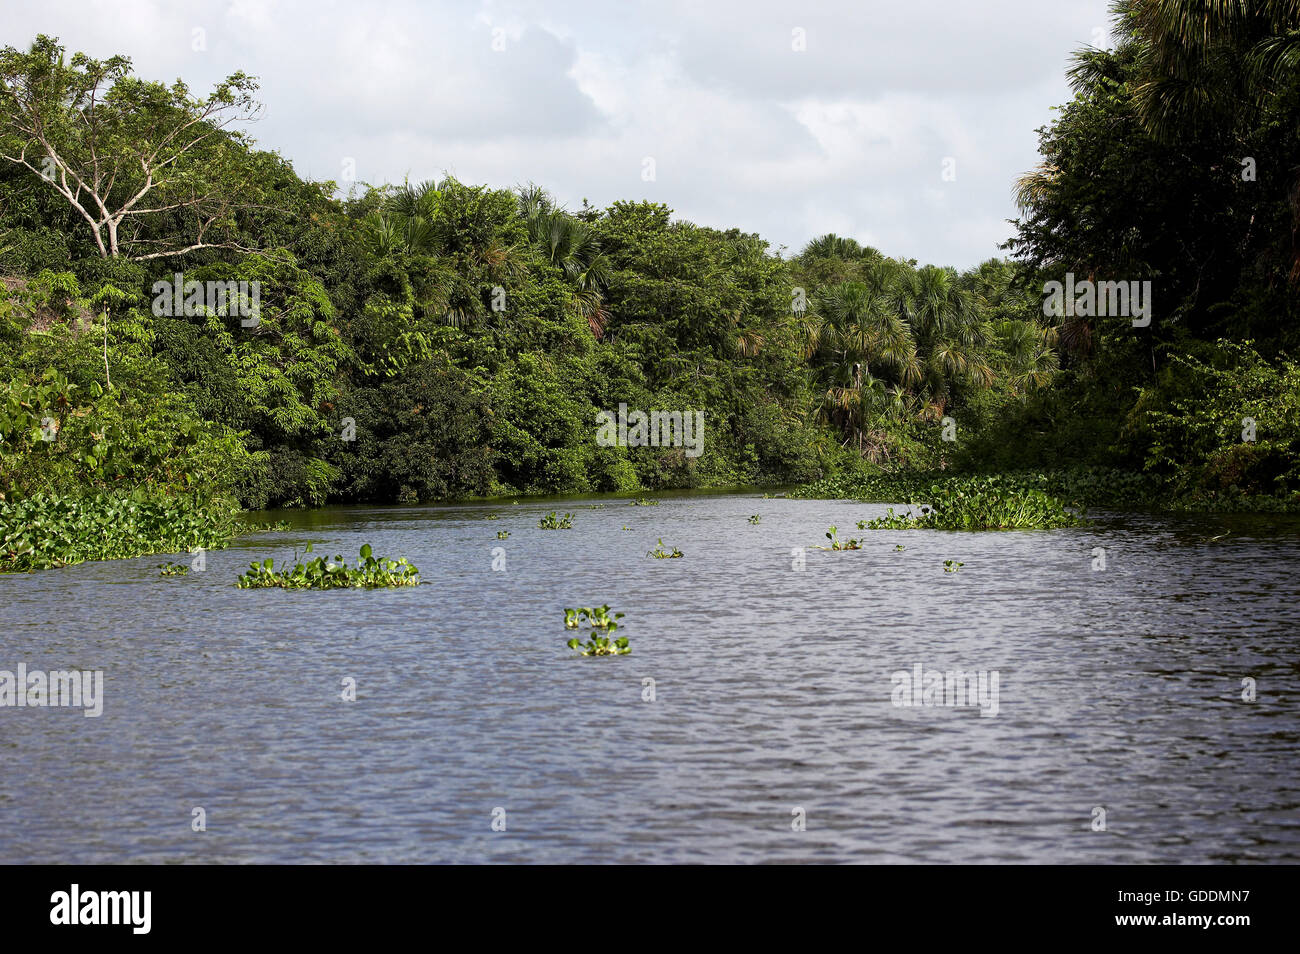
(322, 574)
(598, 617)
(659, 553)
(551, 522)
(602, 641)
(833, 535)
(981, 504)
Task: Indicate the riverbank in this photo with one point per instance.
(47, 531)
(1077, 487)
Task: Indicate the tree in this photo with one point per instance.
(152, 170)
(571, 245)
(1206, 62)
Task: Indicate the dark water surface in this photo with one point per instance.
(1119, 689)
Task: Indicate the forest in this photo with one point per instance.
(423, 341)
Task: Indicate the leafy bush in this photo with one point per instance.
(1224, 431)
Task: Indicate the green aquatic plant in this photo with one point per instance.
(952, 566)
(493, 516)
(371, 572)
(252, 526)
(503, 534)
(551, 522)
(598, 617)
(47, 530)
(981, 506)
(172, 569)
(1078, 488)
(899, 548)
(607, 645)
(755, 518)
(833, 535)
(602, 640)
(659, 553)
(644, 502)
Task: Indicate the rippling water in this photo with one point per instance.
(1119, 689)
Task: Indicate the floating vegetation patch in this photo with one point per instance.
(551, 522)
(275, 526)
(371, 572)
(173, 569)
(976, 507)
(644, 502)
(755, 518)
(598, 617)
(660, 553)
(1080, 487)
(602, 640)
(952, 566)
(48, 530)
(503, 534)
(833, 535)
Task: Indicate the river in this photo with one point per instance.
(770, 732)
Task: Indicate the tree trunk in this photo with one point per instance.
(108, 382)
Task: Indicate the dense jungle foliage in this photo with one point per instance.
(434, 340)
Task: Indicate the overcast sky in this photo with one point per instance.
(790, 119)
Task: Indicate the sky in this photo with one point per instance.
(903, 124)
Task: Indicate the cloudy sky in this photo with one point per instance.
(790, 119)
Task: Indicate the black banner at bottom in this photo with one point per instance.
(942, 904)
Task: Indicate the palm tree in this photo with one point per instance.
(571, 245)
(857, 328)
(835, 246)
(1202, 61)
(856, 325)
(403, 225)
(442, 221)
(949, 331)
(1031, 353)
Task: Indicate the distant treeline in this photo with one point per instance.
(435, 340)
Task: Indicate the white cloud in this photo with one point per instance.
(847, 136)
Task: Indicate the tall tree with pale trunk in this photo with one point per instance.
(152, 170)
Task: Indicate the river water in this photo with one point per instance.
(1121, 733)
